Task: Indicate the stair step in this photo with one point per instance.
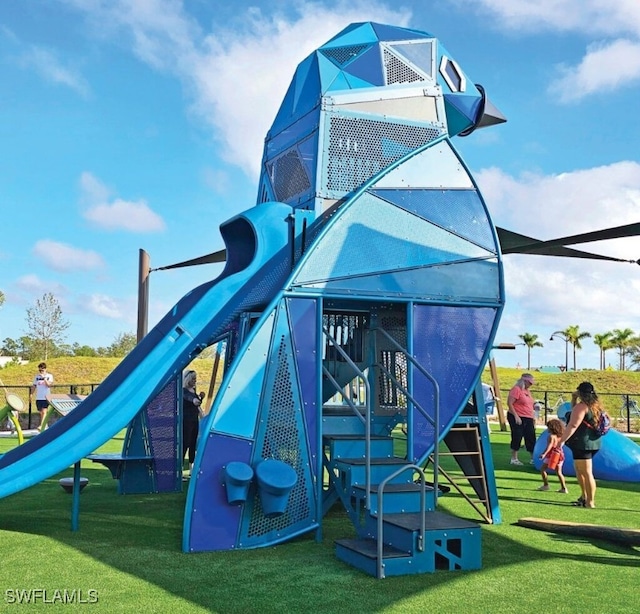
(398, 497)
(369, 548)
(450, 543)
(434, 521)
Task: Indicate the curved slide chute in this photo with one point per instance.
(258, 262)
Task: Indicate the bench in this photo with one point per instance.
(116, 462)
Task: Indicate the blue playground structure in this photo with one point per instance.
(360, 294)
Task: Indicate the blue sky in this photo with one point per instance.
(129, 124)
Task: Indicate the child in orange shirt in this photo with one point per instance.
(553, 456)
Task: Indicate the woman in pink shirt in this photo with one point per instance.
(521, 417)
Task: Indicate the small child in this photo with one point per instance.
(553, 456)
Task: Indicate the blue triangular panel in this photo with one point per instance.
(328, 71)
(460, 211)
(420, 54)
(304, 81)
(339, 83)
(355, 82)
(308, 91)
(306, 77)
(355, 34)
(247, 396)
(368, 66)
(463, 282)
(456, 121)
(393, 33)
(373, 235)
(285, 112)
(466, 104)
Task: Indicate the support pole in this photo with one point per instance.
(496, 389)
(75, 502)
(143, 294)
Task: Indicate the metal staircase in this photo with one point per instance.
(393, 508)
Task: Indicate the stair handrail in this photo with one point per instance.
(436, 419)
(406, 393)
(423, 507)
(367, 406)
(338, 388)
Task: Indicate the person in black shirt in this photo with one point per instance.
(191, 409)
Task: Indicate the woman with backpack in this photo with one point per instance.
(583, 439)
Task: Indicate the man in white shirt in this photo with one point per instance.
(42, 387)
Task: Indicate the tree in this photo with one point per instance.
(633, 352)
(573, 334)
(83, 350)
(621, 339)
(1, 298)
(9, 347)
(531, 341)
(45, 323)
(603, 341)
(122, 345)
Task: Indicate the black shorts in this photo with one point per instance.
(43, 404)
(584, 454)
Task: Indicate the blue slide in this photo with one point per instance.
(258, 263)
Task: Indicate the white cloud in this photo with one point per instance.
(610, 17)
(49, 67)
(30, 287)
(611, 63)
(117, 214)
(236, 79)
(134, 216)
(545, 294)
(102, 305)
(65, 258)
(604, 68)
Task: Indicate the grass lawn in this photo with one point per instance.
(128, 550)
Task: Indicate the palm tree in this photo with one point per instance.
(573, 334)
(531, 341)
(603, 341)
(622, 340)
(633, 352)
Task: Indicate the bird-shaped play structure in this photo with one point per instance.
(361, 293)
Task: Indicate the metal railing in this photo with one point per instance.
(23, 392)
(623, 407)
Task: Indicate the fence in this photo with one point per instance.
(623, 407)
(31, 414)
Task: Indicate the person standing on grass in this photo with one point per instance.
(583, 440)
(521, 417)
(191, 408)
(553, 456)
(42, 383)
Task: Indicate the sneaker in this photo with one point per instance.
(544, 487)
(564, 491)
(515, 461)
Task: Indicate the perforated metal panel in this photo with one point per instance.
(288, 177)
(342, 55)
(396, 71)
(359, 148)
(395, 325)
(282, 441)
(162, 421)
